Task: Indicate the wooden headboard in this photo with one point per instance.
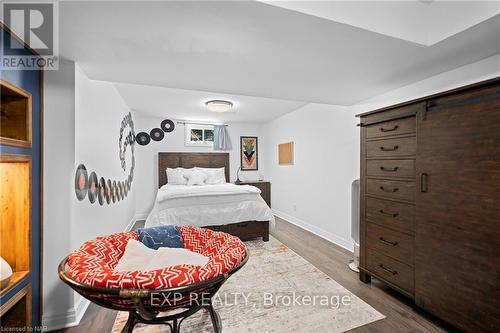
(190, 160)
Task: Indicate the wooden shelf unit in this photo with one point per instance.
(15, 115)
(16, 312)
(15, 234)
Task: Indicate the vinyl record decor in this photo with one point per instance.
(112, 191)
(249, 153)
(156, 134)
(101, 191)
(143, 138)
(81, 182)
(92, 187)
(167, 125)
(109, 191)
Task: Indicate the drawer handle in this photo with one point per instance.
(387, 242)
(242, 225)
(423, 182)
(387, 169)
(389, 214)
(389, 149)
(389, 190)
(388, 270)
(389, 129)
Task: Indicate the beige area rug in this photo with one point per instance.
(276, 291)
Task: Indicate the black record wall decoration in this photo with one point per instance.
(81, 182)
(107, 191)
(142, 138)
(101, 193)
(92, 187)
(155, 134)
(167, 125)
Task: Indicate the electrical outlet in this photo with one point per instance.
(294, 208)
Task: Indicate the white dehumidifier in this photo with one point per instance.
(353, 265)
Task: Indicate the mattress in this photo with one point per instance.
(208, 205)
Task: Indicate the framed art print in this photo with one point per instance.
(249, 153)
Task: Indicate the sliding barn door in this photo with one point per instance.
(457, 241)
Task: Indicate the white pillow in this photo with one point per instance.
(196, 177)
(175, 177)
(216, 176)
(139, 257)
(178, 176)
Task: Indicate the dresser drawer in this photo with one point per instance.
(391, 147)
(392, 214)
(391, 243)
(395, 272)
(393, 189)
(392, 127)
(390, 168)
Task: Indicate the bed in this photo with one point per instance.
(234, 209)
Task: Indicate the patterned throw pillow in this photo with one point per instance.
(162, 236)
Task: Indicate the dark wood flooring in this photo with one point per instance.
(402, 315)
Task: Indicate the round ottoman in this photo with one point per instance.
(144, 294)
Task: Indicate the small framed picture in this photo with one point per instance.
(249, 153)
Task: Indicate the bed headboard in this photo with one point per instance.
(190, 160)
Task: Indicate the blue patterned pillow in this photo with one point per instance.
(162, 236)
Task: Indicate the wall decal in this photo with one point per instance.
(142, 138)
(249, 153)
(107, 191)
(157, 134)
(81, 182)
(167, 125)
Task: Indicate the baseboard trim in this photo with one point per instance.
(130, 225)
(69, 319)
(326, 235)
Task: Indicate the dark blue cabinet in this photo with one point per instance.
(20, 301)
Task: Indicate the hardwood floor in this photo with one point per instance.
(402, 315)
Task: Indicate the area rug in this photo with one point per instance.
(276, 291)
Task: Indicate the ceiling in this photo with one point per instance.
(190, 104)
(424, 22)
(250, 48)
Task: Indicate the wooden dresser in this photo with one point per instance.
(264, 187)
(430, 203)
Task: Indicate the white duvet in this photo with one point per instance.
(208, 205)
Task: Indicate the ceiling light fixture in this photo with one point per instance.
(219, 106)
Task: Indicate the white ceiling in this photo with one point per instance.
(190, 105)
(422, 22)
(249, 48)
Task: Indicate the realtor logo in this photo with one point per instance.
(35, 24)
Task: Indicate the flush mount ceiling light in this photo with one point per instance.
(219, 106)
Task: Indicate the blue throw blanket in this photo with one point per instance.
(162, 236)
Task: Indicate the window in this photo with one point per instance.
(199, 135)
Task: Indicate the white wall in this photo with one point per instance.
(99, 112)
(314, 192)
(327, 153)
(82, 120)
(146, 172)
(58, 188)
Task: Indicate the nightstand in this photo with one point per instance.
(264, 187)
